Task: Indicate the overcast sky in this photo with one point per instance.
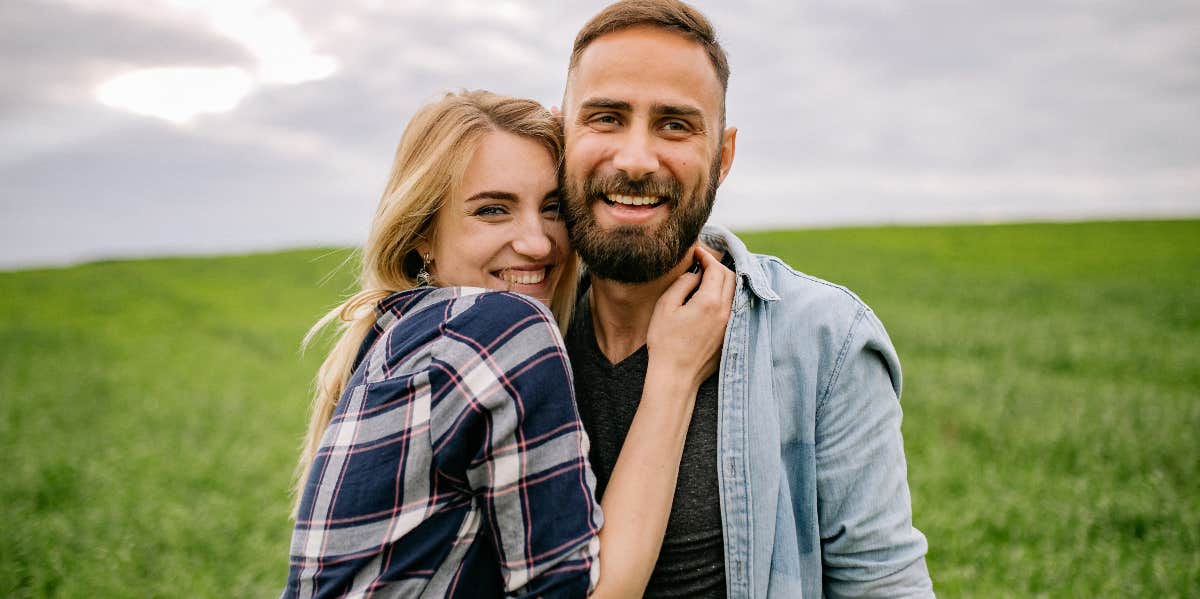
(145, 127)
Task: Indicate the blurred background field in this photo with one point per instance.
(151, 410)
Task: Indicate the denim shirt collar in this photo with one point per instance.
(720, 238)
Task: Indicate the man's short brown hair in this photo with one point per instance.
(671, 15)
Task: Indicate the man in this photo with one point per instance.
(793, 480)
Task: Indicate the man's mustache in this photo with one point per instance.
(621, 184)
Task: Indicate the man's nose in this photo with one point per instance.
(636, 157)
(532, 240)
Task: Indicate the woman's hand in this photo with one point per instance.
(687, 328)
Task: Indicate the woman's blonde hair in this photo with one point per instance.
(430, 162)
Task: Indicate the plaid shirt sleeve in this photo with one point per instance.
(515, 432)
(457, 444)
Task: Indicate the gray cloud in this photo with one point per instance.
(55, 52)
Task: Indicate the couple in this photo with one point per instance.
(743, 419)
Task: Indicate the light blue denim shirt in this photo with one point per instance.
(814, 489)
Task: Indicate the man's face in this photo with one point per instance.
(645, 151)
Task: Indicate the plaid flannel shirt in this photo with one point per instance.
(455, 463)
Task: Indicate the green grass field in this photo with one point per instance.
(151, 410)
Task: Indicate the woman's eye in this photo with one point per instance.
(553, 208)
(492, 210)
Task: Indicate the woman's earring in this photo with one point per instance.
(423, 276)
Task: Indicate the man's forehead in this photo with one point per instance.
(617, 64)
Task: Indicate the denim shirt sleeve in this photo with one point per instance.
(869, 545)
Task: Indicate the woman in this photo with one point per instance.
(445, 455)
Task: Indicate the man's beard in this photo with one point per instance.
(632, 253)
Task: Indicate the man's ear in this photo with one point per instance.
(728, 148)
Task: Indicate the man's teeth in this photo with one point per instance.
(523, 277)
(634, 200)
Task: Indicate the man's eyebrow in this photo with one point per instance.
(493, 195)
(676, 110)
(609, 103)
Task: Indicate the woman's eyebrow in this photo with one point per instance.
(493, 195)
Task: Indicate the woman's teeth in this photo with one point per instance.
(523, 277)
(634, 200)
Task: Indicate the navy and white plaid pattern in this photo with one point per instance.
(454, 464)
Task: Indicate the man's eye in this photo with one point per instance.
(605, 120)
(676, 127)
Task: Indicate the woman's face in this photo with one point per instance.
(502, 229)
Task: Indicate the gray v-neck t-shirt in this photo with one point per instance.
(692, 560)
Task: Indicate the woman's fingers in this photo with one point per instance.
(677, 293)
(688, 326)
(701, 295)
(711, 293)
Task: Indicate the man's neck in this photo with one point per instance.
(621, 311)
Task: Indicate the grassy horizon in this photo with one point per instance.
(152, 409)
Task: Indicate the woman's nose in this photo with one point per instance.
(532, 240)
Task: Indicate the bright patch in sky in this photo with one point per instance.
(176, 94)
(284, 53)
(283, 56)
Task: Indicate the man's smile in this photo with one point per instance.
(623, 209)
(633, 200)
